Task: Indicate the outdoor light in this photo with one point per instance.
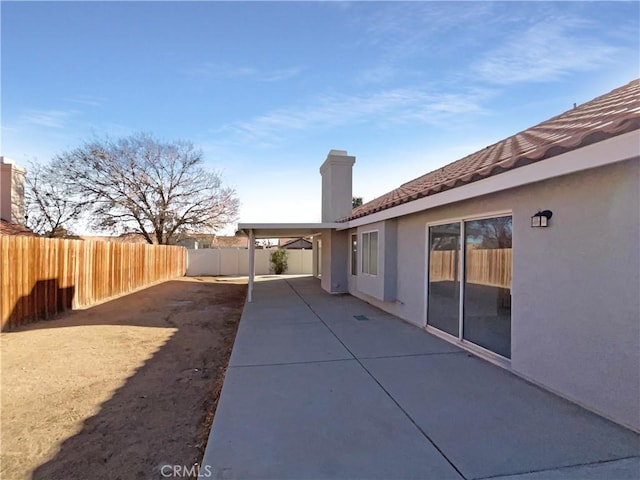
(541, 219)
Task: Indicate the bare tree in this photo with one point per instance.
(50, 209)
(139, 184)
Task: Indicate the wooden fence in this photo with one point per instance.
(485, 267)
(41, 276)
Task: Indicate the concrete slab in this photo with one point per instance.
(489, 422)
(278, 314)
(627, 469)
(296, 404)
(379, 336)
(276, 289)
(266, 344)
(315, 421)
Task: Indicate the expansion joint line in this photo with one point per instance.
(424, 434)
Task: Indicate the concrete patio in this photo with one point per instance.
(312, 392)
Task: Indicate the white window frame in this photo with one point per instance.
(365, 267)
(353, 255)
(459, 340)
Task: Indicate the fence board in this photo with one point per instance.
(42, 276)
(484, 266)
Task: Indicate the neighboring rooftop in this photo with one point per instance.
(123, 238)
(212, 240)
(612, 114)
(8, 228)
(221, 241)
(295, 243)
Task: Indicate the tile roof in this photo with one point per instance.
(230, 241)
(298, 243)
(123, 238)
(612, 114)
(8, 228)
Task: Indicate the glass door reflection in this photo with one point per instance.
(487, 284)
(444, 278)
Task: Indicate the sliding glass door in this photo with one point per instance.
(484, 317)
(487, 285)
(444, 278)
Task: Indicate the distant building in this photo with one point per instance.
(12, 199)
(124, 238)
(295, 243)
(211, 240)
(8, 228)
(11, 192)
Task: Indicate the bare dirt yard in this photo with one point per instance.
(119, 390)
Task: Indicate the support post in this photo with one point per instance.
(252, 264)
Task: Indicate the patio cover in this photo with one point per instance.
(277, 230)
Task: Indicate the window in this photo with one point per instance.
(487, 284)
(354, 254)
(370, 253)
(472, 260)
(444, 278)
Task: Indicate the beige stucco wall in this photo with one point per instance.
(11, 192)
(383, 285)
(334, 255)
(371, 285)
(575, 302)
(336, 174)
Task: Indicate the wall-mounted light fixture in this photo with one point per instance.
(541, 219)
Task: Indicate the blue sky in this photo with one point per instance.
(266, 89)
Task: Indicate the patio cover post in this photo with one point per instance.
(252, 263)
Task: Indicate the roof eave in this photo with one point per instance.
(612, 150)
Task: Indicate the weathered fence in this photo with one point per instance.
(484, 266)
(235, 261)
(42, 276)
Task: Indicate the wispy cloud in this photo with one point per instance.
(499, 43)
(218, 71)
(409, 38)
(405, 28)
(47, 118)
(214, 71)
(87, 100)
(381, 73)
(544, 52)
(387, 107)
(284, 74)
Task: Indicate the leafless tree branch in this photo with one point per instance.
(140, 184)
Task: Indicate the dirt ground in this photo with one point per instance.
(119, 390)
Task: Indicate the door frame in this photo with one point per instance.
(459, 340)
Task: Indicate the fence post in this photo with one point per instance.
(252, 266)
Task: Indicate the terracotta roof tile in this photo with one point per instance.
(8, 228)
(124, 238)
(612, 114)
(230, 241)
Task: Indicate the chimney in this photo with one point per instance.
(336, 185)
(11, 192)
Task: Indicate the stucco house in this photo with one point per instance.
(211, 240)
(295, 243)
(525, 253)
(12, 213)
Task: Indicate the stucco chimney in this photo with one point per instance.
(336, 174)
(11, 192)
